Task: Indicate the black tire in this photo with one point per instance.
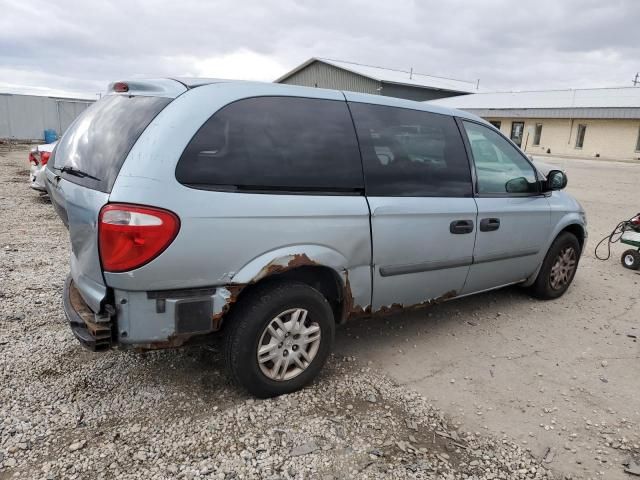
(542, 288)
(250, 318)
(631, 259)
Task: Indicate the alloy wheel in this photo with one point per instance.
(288, 345)
(563, 268)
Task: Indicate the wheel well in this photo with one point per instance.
(324, 279)
(576, 230)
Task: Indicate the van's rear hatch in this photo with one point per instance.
(85, 165)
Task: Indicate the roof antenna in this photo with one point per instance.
(478, 84)
(411, 74)
(636, 80)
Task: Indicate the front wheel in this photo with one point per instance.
(279, 337)
(559, 267)
(631, 259)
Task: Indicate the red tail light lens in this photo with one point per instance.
(120, 87)
(33, 159)
(130, 236)
(636, 220)
(44, 157)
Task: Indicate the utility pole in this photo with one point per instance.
(636, 80)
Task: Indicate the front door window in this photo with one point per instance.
(500, 167)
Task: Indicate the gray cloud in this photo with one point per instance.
(81, 46)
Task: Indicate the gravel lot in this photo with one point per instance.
(68, 413)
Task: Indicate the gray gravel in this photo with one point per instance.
(69, 413)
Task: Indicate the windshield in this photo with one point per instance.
(92, 151)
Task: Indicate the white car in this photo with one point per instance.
(38, 158)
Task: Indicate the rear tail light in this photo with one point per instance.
(33, 158)
(636, 220)
(130, 236)
(44, 157)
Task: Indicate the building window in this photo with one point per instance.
(496, 123)
(638, 141)
(517, 129)
(580, 138)
(537, 134)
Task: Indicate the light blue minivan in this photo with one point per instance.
(270, 213)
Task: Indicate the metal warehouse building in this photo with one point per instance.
(597, 122)
(26, 117)
(354, 77)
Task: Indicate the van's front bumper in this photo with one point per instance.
(94, 332)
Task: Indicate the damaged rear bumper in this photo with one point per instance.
(148, 320)
(94, 332)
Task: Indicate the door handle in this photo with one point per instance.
(458, 227)
(489, 224)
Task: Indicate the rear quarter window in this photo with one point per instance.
(100, 139)
(275, 144)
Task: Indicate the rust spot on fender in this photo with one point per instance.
(276, 266)
(272, 268)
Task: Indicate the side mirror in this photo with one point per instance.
(517, 185)
(556, 180)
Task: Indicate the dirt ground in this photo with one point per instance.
(561, 375)
(559, 378)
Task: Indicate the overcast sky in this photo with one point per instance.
(79, 47)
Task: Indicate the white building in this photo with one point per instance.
(597, 122)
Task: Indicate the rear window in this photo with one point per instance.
(275, 144)
(99, 140)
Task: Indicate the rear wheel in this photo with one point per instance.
(558, 269)
(631, 259)
(279, 337)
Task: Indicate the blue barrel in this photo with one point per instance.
(50, 135)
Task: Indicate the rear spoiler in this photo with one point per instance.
(161, 87)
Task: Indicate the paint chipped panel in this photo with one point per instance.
(226, 297)
(223, 300)
(354, 311)
(355, 299)
(356, 302)
(397, 307)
